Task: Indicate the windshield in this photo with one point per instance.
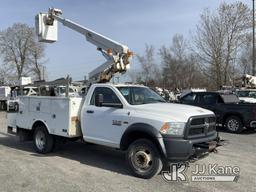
(251, 94)
(140, 95)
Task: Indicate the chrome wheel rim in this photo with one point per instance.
(233, 125)
(40, 140)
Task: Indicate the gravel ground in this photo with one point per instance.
(80, 167)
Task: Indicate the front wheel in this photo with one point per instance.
(43, 141)
(234, 124)
(144, 159)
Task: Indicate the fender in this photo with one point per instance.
(148, 130)
(39, 122)
(232, 114)
(27, 134)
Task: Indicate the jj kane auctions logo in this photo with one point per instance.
(201, 173)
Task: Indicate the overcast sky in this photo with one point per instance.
(132, 22)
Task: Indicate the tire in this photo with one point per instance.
(3, 106)
(42, 140)
(144, 159)
(234, 124)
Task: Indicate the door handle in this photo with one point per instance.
(89, 111)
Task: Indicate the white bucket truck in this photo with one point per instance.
(132, 118)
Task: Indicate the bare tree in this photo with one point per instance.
(14, 46)
(245, 56)
(149, 73)
(134, 75)
(179, 69)
(218, 39)
(36, 64)
(20, 51)
(179, 47)
(2, 77)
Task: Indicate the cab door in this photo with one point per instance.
(105, 125)
(208, 101)
(213, 102)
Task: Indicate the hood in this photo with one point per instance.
(171, 111)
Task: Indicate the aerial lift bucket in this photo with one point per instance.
(46, 33)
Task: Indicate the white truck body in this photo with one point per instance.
(60, 114)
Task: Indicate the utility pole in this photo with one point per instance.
(253, 39)
(43, 75)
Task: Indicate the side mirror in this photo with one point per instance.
(98, 100)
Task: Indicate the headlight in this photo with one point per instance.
(173, 128)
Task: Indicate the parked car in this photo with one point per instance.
(247, 95)
(61, 91)
(230, 112)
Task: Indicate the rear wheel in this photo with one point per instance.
(43, 141)
(234, 124)
(144, 159)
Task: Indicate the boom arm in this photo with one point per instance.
(117, 55)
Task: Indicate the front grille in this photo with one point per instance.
(196, 131)
(200, 126)
(198, 121)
